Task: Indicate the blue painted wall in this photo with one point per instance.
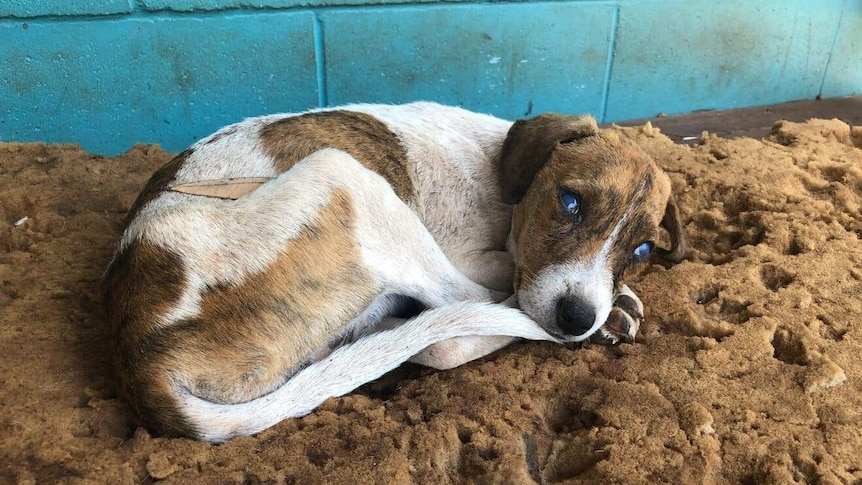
(109, 73)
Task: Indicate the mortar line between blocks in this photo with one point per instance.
(832, 49)
(320, 61)
(615, 22)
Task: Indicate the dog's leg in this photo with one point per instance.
(491, 269)
(407, 258)
(624, 320)
(460, 350)
(442, 355)
(457, 351)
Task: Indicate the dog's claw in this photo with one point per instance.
(623, 322)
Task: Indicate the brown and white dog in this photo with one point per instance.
(382, 234)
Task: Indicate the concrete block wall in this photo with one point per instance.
(109, 73)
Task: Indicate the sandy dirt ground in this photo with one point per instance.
(747, 369)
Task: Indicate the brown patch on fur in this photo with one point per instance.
(610, 175)
(529, 145)
(142, 283)
(249, 337)
(364, 137)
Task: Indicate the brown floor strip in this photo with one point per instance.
(753, 122)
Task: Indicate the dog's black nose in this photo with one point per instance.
(574, 316)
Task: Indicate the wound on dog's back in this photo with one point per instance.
(159, 181)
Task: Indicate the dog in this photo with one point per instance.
(349, 240)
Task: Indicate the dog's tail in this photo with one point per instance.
(348, 367)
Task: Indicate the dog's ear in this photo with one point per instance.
(529, 145)
(672, 222)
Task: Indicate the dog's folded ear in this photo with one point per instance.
(672, 222)
(529, 145)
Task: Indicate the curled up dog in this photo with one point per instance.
(357, 238)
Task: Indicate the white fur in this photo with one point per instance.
(455, 149)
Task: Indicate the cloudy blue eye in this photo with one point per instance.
(643, 251)
(571, 202)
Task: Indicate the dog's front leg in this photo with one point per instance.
(460, 350)
(407, 258)
(624, 320)
(490, 268)
(441, 284)
(410, 262)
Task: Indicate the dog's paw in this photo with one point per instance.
(624, 320)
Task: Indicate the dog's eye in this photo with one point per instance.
(642, 252)
(571, 202)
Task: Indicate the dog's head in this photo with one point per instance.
(589, 206)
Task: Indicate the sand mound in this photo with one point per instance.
(746, 370)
